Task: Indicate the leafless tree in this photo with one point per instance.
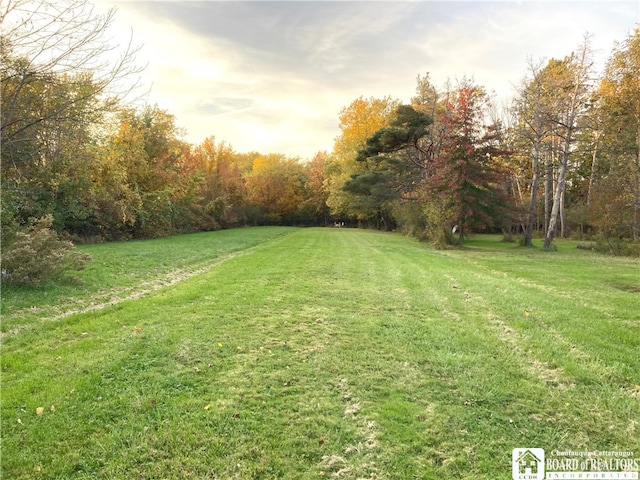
(571, 105)
(48, 43)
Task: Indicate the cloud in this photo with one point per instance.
(217, 106)
(273, 76)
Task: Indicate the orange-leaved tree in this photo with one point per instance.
(275, 185)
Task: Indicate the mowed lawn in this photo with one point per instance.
(319, 353)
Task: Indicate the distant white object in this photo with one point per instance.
(454, 229)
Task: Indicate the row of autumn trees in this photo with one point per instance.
(563, 159)
(141, 180)
(75, 148)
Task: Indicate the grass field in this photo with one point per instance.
(319, 353)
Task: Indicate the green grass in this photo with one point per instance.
(123, 270)
(311, 353)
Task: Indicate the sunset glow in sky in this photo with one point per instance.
(272, 76)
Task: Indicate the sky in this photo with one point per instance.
(272, 76)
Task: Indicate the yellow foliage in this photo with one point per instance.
(275, 183)
(359, 121)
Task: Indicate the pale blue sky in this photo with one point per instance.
(273, 76)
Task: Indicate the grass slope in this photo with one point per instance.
(330, 353)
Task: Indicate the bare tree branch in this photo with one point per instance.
(46, 42)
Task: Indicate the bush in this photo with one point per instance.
(631, 249)
(439, 220)
(509, 237)
(38, 255)
(617, 246)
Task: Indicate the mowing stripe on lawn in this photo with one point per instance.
(331, 353)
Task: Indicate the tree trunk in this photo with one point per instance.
(594, 160)
(559, 192)
(548, 191)
(563, 218)
(579, 71)
(553, 217)
(528, 237)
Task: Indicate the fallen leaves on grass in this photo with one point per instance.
(39, 411)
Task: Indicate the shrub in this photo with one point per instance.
(37, 255)
(632, 249)
(439, 220)
(617, 246)
(509, 237)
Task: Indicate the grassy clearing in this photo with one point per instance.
(331, 353)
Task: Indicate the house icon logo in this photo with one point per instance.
(528, 463)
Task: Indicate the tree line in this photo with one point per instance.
(562, 159)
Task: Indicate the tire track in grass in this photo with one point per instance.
(408, 288)
(358, 460)
(579, 297)
(553, 375)
(558, 382)
(363, 457)
(475, 298)
(119, 295)
(512, 339)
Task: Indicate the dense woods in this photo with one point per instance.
(563, 159)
